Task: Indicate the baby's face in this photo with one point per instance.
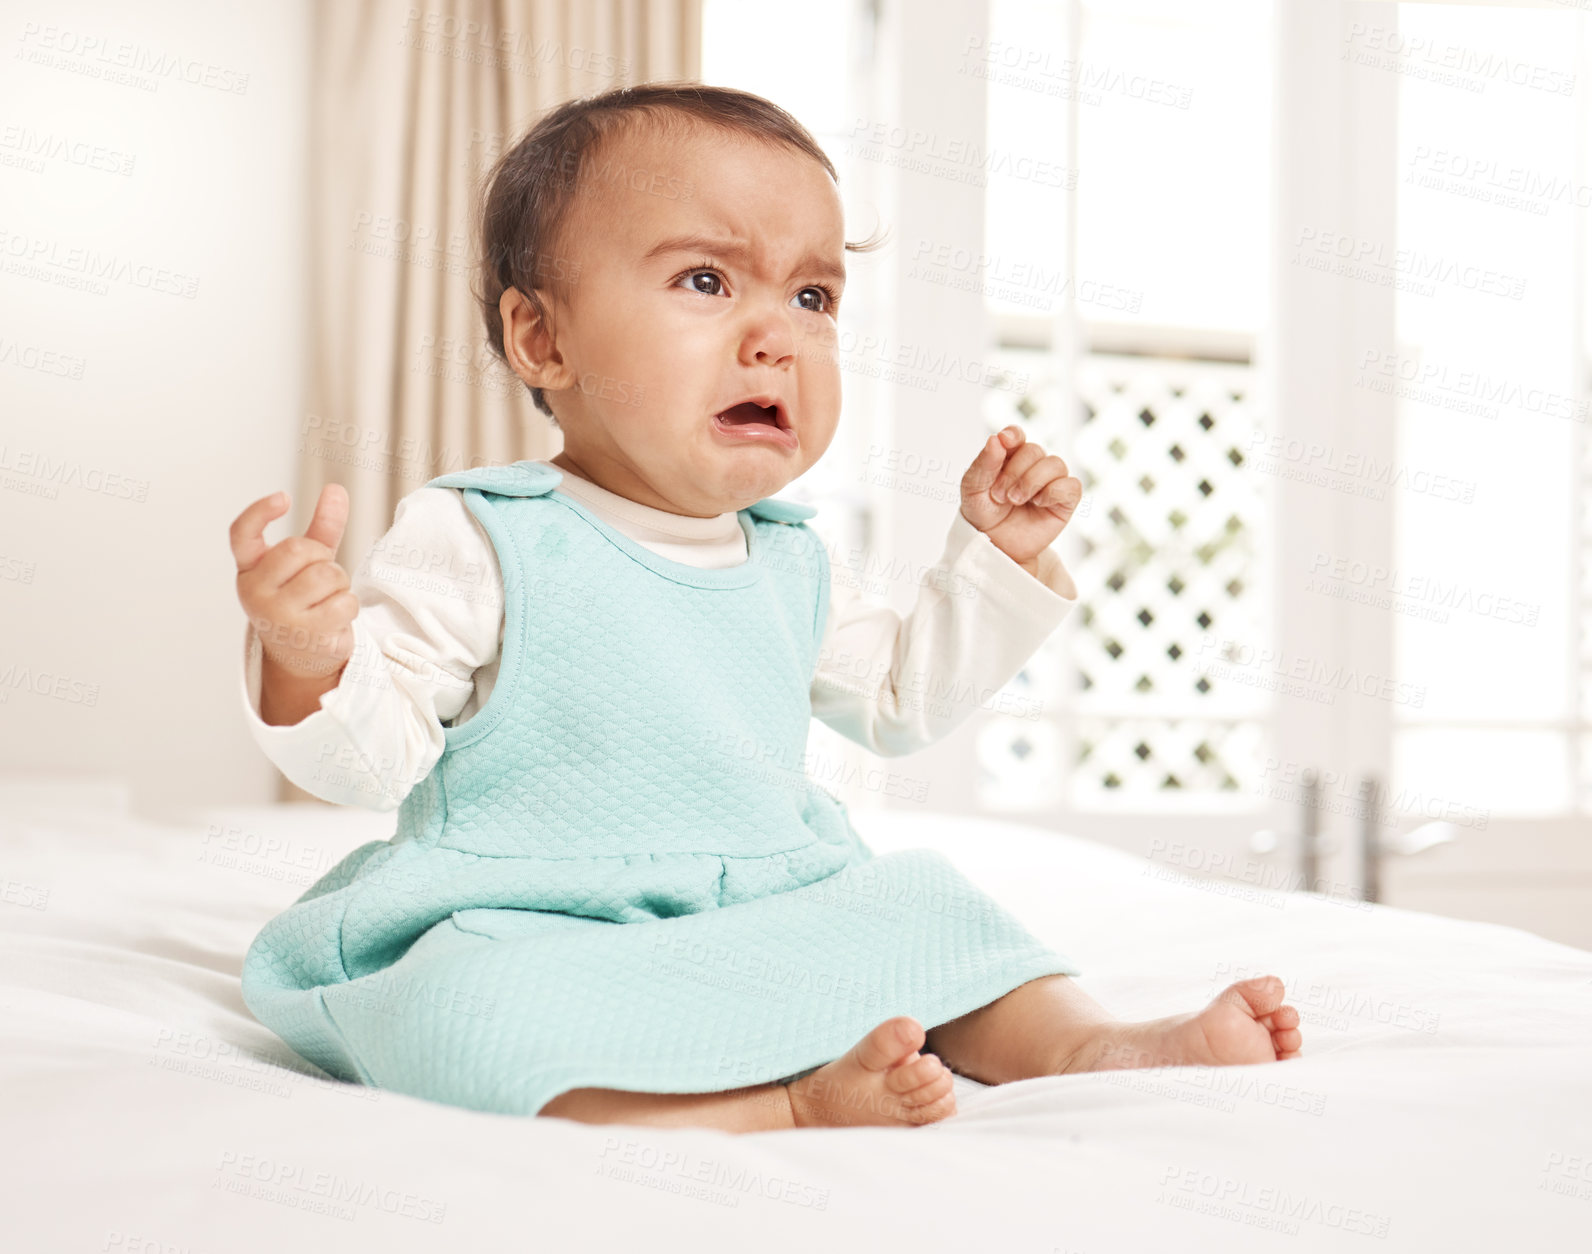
(662, 334)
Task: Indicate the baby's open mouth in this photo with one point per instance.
(761, 419)
(750, 411)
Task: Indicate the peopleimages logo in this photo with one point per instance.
(318, 1192)
(1443, 384)
(121, 61)
(1267, 1206)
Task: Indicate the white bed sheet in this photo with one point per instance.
(1443, 1100)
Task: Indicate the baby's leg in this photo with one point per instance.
(1031, 1031)
(882, 1080)
(1050, 1026)
(761, 1108)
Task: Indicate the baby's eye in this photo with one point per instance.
(690, 276)
(826, 299)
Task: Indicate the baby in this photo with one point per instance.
(591, 907)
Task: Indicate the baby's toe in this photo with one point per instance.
(1283, 1017)
(914, 1074)
(931, 1092)
(889, 1043)
(940, 1108)
(1287, 1041)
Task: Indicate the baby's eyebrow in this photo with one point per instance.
(812, 263)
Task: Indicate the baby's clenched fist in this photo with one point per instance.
(1019, 496)
(294, 592)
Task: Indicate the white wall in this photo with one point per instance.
(140, 414)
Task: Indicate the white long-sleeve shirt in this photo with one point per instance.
(429, 632)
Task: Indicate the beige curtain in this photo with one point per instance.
(410, 104)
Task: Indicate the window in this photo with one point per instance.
(1151, 692)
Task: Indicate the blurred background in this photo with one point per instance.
(1300, 291)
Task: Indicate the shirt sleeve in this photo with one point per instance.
(896, 685)
(431, 612)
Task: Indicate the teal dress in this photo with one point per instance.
(618, 873)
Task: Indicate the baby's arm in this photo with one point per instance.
(430, 614)
(896, 685)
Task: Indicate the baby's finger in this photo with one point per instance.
(247, 533)
(312, 585)
(1016, 466)
(1060, 496)
(331, 516)
(1282, 1017)
(989, 461)
(1036, 477)
(328, 625)
(333, 614)
(284, 560)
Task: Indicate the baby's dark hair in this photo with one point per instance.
(524, 202)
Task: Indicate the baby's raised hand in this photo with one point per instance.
(1018, 496)
(294, 592)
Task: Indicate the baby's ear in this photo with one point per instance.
(529, 343)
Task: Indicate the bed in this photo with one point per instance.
(1443, 1100)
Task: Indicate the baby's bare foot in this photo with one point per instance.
(1247, 1022)
(881, 1080)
